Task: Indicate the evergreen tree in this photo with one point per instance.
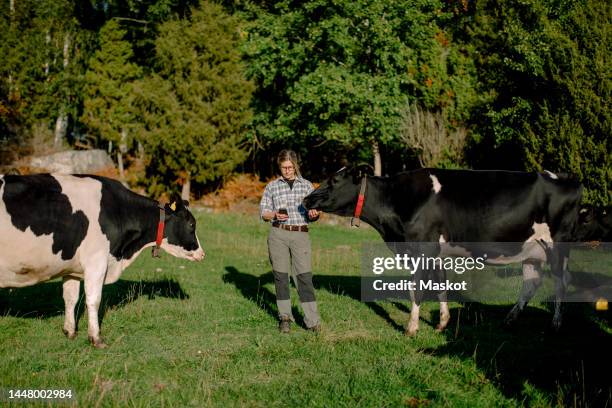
(545, 66)
(44, 53)
(196, 104)
(109, 91)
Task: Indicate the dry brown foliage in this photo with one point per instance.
(110, 172)
(241, 193)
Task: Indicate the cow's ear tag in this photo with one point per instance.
(173, 206)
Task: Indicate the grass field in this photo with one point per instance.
(204, 334)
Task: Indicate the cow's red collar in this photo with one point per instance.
(355, 221)
(160, 231)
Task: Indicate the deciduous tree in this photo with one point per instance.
(338, 74)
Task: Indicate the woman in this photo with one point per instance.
(288, 240)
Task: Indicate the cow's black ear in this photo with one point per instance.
(170, 207)
(185, 203)
(176, 203)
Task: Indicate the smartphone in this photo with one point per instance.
(282, 211)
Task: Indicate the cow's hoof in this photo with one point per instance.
(97, 343)
(444, 320)
(100, 344)
(71, 335)
(410, 332)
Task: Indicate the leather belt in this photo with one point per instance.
(301, 228)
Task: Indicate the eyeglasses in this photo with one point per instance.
(287, 167)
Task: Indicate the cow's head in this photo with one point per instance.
(594, 224)
(338, 194)
(180, 237)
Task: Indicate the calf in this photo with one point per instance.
(80, 227)
(462, 206)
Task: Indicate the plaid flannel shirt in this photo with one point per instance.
(278, 195)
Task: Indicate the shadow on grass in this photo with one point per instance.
(45, 300)
(351, 286)
(252, 288)
(572, 366)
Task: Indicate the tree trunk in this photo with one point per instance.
(66, 49)
(61, 125)
(141, 151)
(122, 150)
(377, 159)
(186, 192)
(47, 42)
(12, 18)
(120, 165)
(123, 142)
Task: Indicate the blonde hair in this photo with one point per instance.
(289, 155)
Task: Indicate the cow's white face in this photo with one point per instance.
(338, 194)
(180, 237)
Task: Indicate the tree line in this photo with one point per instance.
(197, 90)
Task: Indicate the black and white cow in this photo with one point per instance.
(463, 206)
(87, 228)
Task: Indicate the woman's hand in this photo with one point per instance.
(312, 214)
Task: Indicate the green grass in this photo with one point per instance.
(199, 334)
